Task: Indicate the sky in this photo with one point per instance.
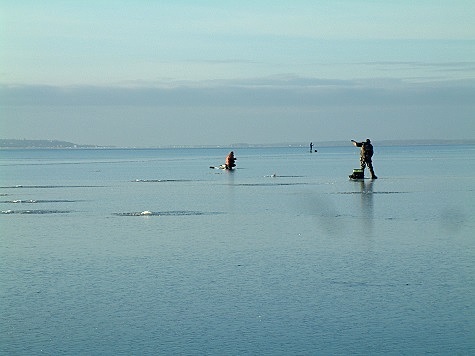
(189, 72)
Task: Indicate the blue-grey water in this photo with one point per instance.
(152, 252)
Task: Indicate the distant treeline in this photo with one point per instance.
(12, 143)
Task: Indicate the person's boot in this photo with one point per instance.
(373, 176)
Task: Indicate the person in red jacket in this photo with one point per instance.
(230, 161)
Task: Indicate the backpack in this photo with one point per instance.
(368, 149)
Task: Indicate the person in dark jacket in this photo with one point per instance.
(366, 155)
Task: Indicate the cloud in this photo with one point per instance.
(282, 91)
(283, 108)
(465, 65)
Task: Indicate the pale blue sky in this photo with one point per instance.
(149, 73)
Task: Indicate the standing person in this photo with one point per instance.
(311, 147)
(230, 161)
(366, 155)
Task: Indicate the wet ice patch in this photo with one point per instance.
(370, 192)
(36, 212)
(160, 180)
(34, 201)
(266, 184)
(166, 213)
(49, 186)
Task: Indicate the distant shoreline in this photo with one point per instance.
(57, 144)
(38, 144)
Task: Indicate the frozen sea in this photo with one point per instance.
(134, 252)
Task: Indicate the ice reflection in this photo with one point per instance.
(367, 205)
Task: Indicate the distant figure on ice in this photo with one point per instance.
(311, 147)
(366, 155)
(230, 161)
